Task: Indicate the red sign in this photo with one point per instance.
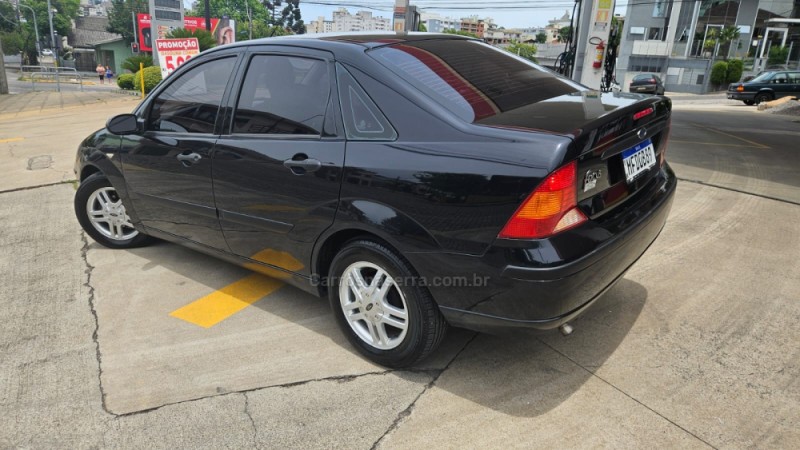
(177, 44)
(147, 35)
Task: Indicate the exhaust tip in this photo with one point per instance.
(565, 329)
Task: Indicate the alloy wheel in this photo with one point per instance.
(373, 305)
(107, 215)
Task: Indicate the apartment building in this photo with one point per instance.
(677, 39)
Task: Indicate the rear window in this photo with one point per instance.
(643, 77)
(472, 79)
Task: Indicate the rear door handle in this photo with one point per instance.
(188, 160)
(301, 164)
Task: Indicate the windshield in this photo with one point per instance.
(764, 76)
(474, 80)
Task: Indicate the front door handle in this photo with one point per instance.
(188, 160)
(301, 164)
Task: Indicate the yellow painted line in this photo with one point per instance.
(754, 144)
(219, 305)
(716, 144)
(14, 139)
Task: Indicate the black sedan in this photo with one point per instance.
(647, 83)
(416, 180)
(766, 86)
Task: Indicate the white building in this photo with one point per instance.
(345, 22)
(436, 23)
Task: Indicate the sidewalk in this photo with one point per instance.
(32, 103)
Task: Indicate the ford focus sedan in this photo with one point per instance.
(416, 181)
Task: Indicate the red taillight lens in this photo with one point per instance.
(653, 80)
(551, 208)
(643, 113)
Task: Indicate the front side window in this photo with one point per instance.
(191, 103)
(283, 95)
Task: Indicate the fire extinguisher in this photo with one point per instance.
(598, 57)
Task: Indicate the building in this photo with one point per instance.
(343, 21)
(476, 25)
(554, 26)
(680, 39)
(436, 23)
(321, 25)
(86, 33)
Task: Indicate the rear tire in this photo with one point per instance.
(380, 307)
(102, 215)
(763, 97)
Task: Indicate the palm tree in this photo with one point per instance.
(726, 36)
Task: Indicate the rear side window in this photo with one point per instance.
(362, 118)
(283, 95)
(191, 103)
(472, 79)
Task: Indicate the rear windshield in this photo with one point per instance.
(642, 77)
(472, 79)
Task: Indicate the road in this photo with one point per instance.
(695, 348)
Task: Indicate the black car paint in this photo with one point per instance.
(439, 194)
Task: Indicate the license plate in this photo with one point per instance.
(638, 159)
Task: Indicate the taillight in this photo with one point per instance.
(643, 113)
(551, 208)
(652, 80)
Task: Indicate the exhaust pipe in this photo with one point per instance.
(565, 329)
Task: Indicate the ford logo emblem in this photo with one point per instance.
(642, 133)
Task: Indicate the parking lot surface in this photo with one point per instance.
(162, 346)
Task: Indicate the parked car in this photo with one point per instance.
(647, 83)
(416, 180)
(47, 52)
(766, 86)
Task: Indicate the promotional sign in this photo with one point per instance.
(174, 52)
(222, 29)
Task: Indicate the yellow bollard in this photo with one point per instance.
(141, 75)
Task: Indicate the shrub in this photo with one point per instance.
(125, 81)
(735, 69)
(719, 73)
(777, 55)
(152, 76)
(132, 64)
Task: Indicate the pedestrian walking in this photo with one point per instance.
(109, 74)
(101, 72)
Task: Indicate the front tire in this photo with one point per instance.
(102, 215)
(749, 102)
(380, 306)
(761, 98)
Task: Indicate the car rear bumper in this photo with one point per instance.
(741, 95)
(523, 291)
(643, 89)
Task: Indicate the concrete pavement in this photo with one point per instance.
(696, 347)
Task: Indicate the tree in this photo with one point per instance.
(291, 18)
(120, 17)
(460, 33)
(422, 27)
(777, 56)
(564, 34)
(204, 37)
(541, 37)
(527, 51)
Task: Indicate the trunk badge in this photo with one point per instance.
(642, 133)
(590, 179)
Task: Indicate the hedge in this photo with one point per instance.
(735, 69)
(152, 76)
(719, 73)
(125, 81)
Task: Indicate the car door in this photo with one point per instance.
(168, 165)
(278, 166)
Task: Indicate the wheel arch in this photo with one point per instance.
(367, 219)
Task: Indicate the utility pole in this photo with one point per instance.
(3, 80)
(208, 15)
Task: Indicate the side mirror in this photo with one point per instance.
(123, 124)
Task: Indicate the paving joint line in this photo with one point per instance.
(739, 191)
(29, 188)
(407, 412)
(595, 375)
